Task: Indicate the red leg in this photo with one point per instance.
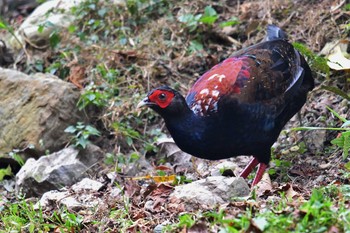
(261, 169)
(249, 168)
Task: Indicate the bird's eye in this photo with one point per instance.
(162, 96)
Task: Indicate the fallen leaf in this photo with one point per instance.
(131, 188)
(162, 179)
(77, 76)
(157, 179)
(264, 185)
(336, 53)
(290, 193)
(162, 189)
(324, 165)
(163, 168)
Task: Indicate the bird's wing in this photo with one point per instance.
(262, 74)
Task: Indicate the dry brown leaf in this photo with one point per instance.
(264, 185)
(163, 168)
(162, 189)
(131, 187)
(157, 179)
(77, 76)
(291, 194)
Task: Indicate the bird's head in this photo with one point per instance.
(165, 101)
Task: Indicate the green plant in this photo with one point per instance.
(23, 217)
(93, 96)
(54, 37)
(14, 154)
(186, 220)
(316, 62)
(343, 140)
(347, 7)
(81, 133)
(318, 214)
(233, 21)
(229, 225)
(5, 172)
(192, 21)
(68, 221)
(4, 25)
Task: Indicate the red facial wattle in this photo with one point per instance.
(161, 97)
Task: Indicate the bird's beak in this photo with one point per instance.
(143, 102)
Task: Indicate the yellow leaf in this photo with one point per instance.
(337, 56)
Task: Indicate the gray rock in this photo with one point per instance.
(56, 170)
(209, 192)
(81, 196)
(57, 12)
(35, 110)
(158, 229)
(87, 184)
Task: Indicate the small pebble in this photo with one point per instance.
(158, 228)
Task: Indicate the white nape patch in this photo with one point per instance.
(204, 92)
(215, 93)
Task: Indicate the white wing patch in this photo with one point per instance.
(208, 99)
(219, 76)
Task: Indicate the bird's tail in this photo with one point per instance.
(275, 33)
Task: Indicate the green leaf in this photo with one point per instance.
(347, 166)
(82, 142)
(190, 21)
(233, 21)
(72, 28)
(316, 62)
(54, 39)
(210, 16)
(195, 45)
(5, 172)
(41, 28)
(209, 11)
(102, 12)
(70, 129)
(3, 25)
(336, 114)
(129, 141)
(186, 18)
(343, 142)
(93, 131)
(347, 7)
